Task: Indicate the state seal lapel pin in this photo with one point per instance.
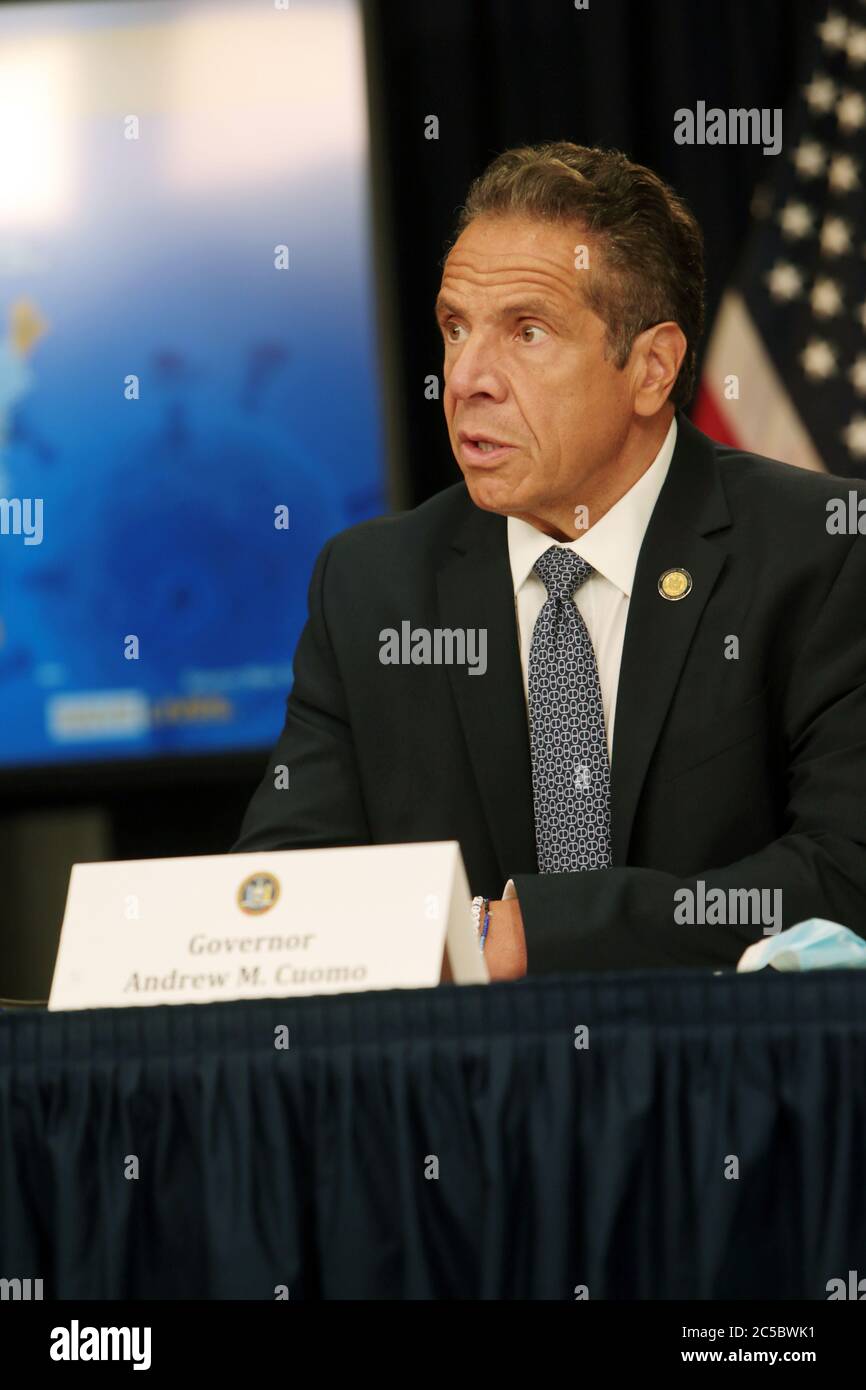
(675, 584)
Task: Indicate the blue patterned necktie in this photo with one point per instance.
(570, 767)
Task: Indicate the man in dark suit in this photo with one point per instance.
(625, 667)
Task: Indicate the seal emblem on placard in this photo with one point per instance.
(258, 892)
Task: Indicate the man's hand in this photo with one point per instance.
(505, 948)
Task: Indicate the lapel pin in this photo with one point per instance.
(675, 584)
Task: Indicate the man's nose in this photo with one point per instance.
(476, 369)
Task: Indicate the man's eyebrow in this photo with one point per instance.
(526, 308)
(442, 307)
(531, 308)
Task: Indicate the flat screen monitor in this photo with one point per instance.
(189, 384)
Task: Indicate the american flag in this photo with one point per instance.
(790, 335)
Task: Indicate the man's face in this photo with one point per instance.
(525, 366)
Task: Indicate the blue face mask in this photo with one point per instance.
(811, 945)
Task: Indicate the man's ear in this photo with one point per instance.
(656, 358)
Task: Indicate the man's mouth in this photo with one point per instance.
(475, 447)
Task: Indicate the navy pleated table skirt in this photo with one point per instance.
(657, 1135)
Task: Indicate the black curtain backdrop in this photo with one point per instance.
(498, 73)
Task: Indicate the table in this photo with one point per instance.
(641, 1135)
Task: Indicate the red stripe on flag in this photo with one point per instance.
(709, 418)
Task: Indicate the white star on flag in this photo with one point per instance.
(835, 236)
(826, 298)
(810, 158)
(855, 46)
(796, 219)
(858, 374)
(842, 175)
(818, 359)
(785, 281)
(834, 31)
(854, 435)
(820, 93)
(851, 111)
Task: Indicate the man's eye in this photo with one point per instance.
(532, 328)
(451, 328)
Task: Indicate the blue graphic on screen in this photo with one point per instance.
(183, 423)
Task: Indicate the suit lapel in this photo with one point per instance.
(476, 591)
(659, 632)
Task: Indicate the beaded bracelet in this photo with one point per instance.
(484, 930)
(481, 931)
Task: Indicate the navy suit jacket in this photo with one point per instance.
(737, 772)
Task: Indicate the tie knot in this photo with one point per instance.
(561, 571)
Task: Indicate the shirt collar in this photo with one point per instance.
(613, 544)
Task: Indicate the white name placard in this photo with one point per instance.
(243, 926)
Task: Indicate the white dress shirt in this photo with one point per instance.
(612, 547)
